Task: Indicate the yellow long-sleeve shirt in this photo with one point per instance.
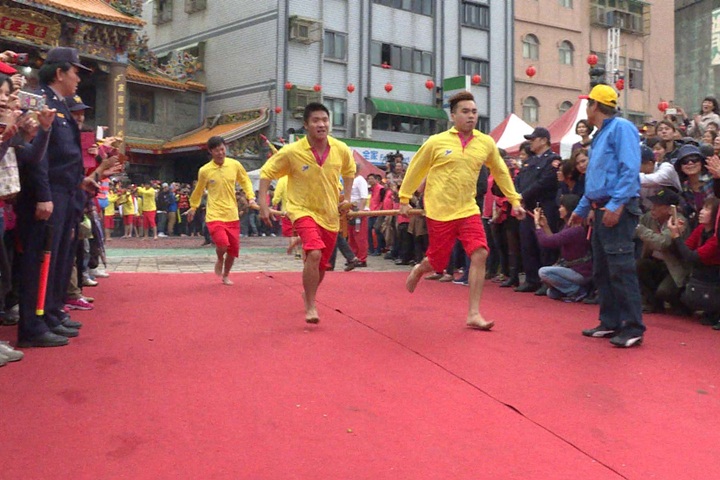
(110, 209)
(127, 202)
(311, 190)
(220, 180)
(148, 199)
(280, 195)
(452, 172)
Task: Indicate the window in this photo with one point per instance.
(163, 12)
(192, 6)
(483, 124)
(423, 7)
(565, 106)
(531, 47)
(635, 74)
(632, 16)
(401, 58)
(335, 45)
(475, 15)
(566, 53)
(530, 110)
(472, 66)
(566, 3)
(338, 108)
(141, 106)
(403, 124)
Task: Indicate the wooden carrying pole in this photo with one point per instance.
(383, 213)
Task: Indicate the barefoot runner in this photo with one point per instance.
(313, 167)
(451, 161)
(219, 177)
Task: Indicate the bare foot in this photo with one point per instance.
(311, 316)
(227, 281)
(219, 267)
(413, 279)
(477, 322)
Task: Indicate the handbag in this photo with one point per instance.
(9, 175)
(700, 295)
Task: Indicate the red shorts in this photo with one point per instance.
(139, 223)
(442, 236)
(128, 219)
(287, 227)
(314, 237)
(226, 234)
(110, 221)
(149, 218)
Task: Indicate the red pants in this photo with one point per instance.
(358, 239)
(442, 236)
(314, 237)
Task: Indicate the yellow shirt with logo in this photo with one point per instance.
(220, 180)
(110, 209)
(452, 173)
(311, 189)
(148, 199)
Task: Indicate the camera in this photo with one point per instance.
(20, 59)
(30, 101)
(671, 111)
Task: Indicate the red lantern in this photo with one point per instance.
(531, 71)
(476, 79)
(592, 59)
(317, 87)
(663, 105)
(288, 85)
(388, 87)
(385, 65)
(429, 84)
(620, 84)
(350, 88)
(278, 109)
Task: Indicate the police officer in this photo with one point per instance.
(52, 196)
(537, 183)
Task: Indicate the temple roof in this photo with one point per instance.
(136, 76)
(92, 9)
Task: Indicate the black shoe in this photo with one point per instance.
(708, 319)
(64, 331)
(361, 264)
(402, 262)
(351, 265)
(599, 332)
(591, 300)
(527, 287)
(510, 282)
(542, 291)
(68, 323)
(626, 340)
(716, 326)
(47, 339)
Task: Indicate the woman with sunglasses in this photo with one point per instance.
(697, 184)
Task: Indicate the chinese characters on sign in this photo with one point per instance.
(378, 157)
(119, 114)
(715, 39)
(29, 25)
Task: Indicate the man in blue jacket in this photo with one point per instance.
(612, 196)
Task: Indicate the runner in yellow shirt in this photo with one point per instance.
(219, 177)
(127, 202)
(313, 166)
(109, 214)
(451, 161)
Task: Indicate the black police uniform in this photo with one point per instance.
(537, 183)
(57, 178)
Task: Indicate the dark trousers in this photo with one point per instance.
(63, 221)
(615, 272)
(342, 245)
(534, 257)
(656, 284)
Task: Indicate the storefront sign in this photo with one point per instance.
(29, 25)
(119, 89)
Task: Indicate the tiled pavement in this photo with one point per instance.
(185, 255)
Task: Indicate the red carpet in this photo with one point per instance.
(178, 376)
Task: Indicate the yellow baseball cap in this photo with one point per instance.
(604, 94)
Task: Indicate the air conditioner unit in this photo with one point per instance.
(363, 125)
(305, 30)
